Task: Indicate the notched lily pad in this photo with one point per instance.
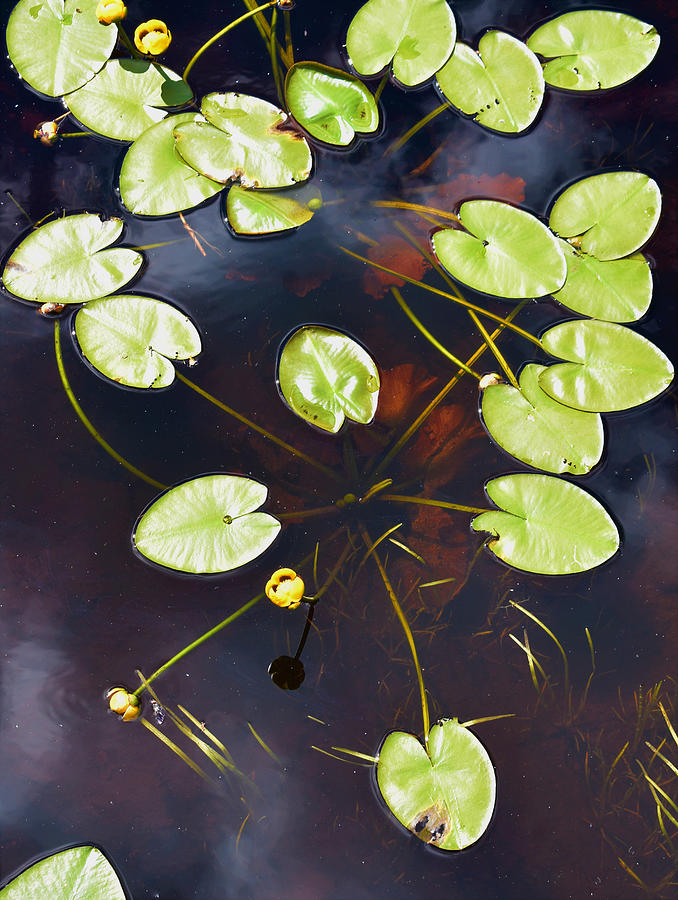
(77, 873)
(268, 212)
(132, 339)
(207, 525)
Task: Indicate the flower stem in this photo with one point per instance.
(423, 501)
(422, 123)
(122, 34)
(499, 356)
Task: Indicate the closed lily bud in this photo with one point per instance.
(109, 11)
(123, 703)
(152, 37)
(47, 133)
(285, 588)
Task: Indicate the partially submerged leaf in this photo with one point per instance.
(207, 525)
(501, 85)
(546, 525)
(268, 212)
(64, 261)
(504, 251)
(330, 104)
(131, 339)
(126, 97)
(325, 375)
(445, 796)
(594, 48)
(610, 367)
(78, 873)
(538, 430)
(610, 215)
(416, 35)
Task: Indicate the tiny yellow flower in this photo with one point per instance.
(47, 132)
(123, 703)
(152, 37)
(109, 11)
(285, 588)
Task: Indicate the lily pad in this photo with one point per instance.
(610, 367)
(58, 45)
(416, 35)
(546, 525)
(241, 137)
(325, 375)
(154, 180)
(330, 104)
(595, 48)
(616, 290)
(504, 251)
(501, 86)
(610, 215)
(77, 873)
(132, 339)
(445, 793)
(64, 261)
(126, 96)
(207, 525)
(267, 212)
(538, 430)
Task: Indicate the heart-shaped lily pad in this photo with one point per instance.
(501, 86)
(268, 212)
(77, 873)
(325, 375)
(504, 251)
(538, 430)
(444, 794)
(131, 339)
(595, 48)
(610, 215)
(610, 368)
(207, 525)
(330, 104)
(417, 35)
(58, 45)
(546, 525)
(64, 261)
(242, 139)
(126, 97)
(154, 180)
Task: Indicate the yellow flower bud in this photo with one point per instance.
(109, 11)
(152, 37)
(47, 133)
(123, 703)
(285, 588)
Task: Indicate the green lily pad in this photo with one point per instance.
(132, 339)
(330, 104)
(501, 86)
(538, 430)
(126, 96)
(616, 290)
(58, 45)
(207, 525)
(325, 375)
(416, 35)
(595, 48)
(154, 180)
(610, 215)
(504, 251)
(268, 212)
(546, 525)
(444, 793)
(610, 367)
(242, 139)
(64, 261)
(78, 873)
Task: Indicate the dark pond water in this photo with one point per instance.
(79, 611)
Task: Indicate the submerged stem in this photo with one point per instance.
(220, 34)
(424, 501)
(273, 53)
(422, 123)
(416, 207)
(498, 355)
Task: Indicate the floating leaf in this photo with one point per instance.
(549, 526)
(417, 35)
(78, 873)
(538, 430)
(445, 795)
(207, 524)
(267, 212)
(123, 99)
(595, 48)
(64, 261)
(242, 139)
(154, 180)
(58, 45)
(504, 251)
(132, 339)
(612, 215)
(501, 86)
(610, 367)
(330, 104)
(325, 375)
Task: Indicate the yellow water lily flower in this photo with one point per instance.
(47, 132)
(285, 588)
(152, 37)
(123, 703)
(109, 11)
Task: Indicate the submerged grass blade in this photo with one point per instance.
(422, 123)
(407, 550)
(472, 722)
(263, 744)
(334, 756)
(374, 546)
(424, 501)
(357, 754)
(555, 640)
(493, 347)
(173, 747)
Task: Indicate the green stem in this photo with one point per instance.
(289, 49)
(422, 123)
(498, 355)
(308, 513)
(380, 88)
(272, 49)
(220, 34)
(88, 425)
(423, 501)
(416, 207)
(76, 134)
(122, 34)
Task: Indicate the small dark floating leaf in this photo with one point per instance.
(287, 673)
(78, 873)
